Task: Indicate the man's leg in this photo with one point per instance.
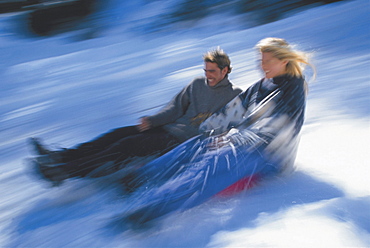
(99, 144)
(151, 142)
(47, 156)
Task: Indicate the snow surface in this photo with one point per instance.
(67, 90)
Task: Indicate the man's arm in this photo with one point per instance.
(170, 113)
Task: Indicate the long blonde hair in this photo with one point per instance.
(281, 50)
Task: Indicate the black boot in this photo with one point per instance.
(48, 164)
(53, 173)
(37, 148)
(45, 156)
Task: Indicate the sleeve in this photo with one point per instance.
(173, 110)
(233, 114)
(223, 120)
(273, 122)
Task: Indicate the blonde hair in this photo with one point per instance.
(281, 50)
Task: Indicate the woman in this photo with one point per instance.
(254, 135)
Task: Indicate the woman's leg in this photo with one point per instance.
(164, 167)
(201, 180)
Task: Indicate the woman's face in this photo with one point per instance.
(272, 66)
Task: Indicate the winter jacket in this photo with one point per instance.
(189, 108)
(270, 113)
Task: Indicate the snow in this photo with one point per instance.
(67, 90)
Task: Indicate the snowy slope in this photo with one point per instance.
(67, 90)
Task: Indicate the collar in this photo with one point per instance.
(279, 80)
(224, 82)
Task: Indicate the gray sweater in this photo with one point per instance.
(182, 116)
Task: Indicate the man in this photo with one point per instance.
(155, 135)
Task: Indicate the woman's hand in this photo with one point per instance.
(217, 142)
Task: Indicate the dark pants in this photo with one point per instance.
(113, 150)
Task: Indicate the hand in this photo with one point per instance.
(217, 142)
(144, 125)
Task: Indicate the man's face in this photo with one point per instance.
(214, 74)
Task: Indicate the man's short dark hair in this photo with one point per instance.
(219, 57)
